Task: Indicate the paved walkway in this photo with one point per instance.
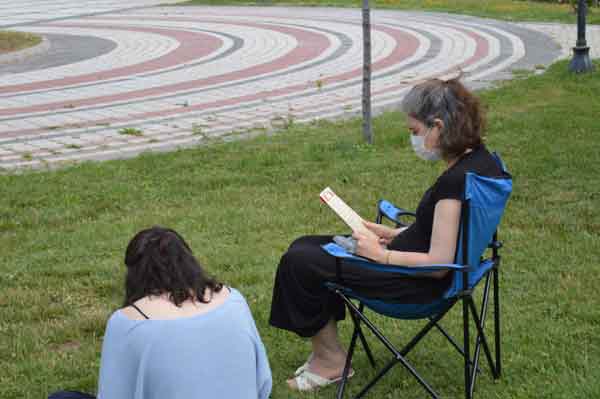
(20, 12)
(119, 83)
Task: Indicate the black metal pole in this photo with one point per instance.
(581, 52)
(497, 322)
(366, 103)
(466, 347)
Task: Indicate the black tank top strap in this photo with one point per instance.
(139, 310)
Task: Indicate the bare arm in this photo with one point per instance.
(446, 220)
(385, 233)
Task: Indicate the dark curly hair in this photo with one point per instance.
(159, 261)
(457, 107)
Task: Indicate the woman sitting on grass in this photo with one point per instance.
(180, 333)
(445, 122)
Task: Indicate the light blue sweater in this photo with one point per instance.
(217, 354)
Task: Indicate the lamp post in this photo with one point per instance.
(581, 52)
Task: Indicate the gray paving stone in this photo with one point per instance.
(272, 97)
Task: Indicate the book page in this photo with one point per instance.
(347, 214)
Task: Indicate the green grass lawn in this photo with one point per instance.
(513, 10)
(12, 41)
(63, 235)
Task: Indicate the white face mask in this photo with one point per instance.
(418, 144)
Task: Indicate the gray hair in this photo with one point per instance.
(430, 100)
(455, 106)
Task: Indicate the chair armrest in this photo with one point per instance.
(392, 212)
(339, 252)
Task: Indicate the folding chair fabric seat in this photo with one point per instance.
(403, 310)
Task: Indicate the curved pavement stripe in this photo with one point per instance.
(309, 45)
(395, 56)
(130, 48)
(235, 43)
(35, 11)
(64, 50)
(192, 45)
(235, 69)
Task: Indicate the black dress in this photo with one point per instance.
(302, 304)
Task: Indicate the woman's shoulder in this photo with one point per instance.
(230, 302)
(242, 309)
(479, 161)
(116, 317)
(450, 184)
(235, 294)
(237, 300)
(117, 324)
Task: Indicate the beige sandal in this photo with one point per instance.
(300, 369)
(307, 381)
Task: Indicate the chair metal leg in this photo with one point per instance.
(342, 385)
(356, 333)
(432, 322)
(387, 368)
(450, 339)
(466, 346)
(398, 357)
(486, 348)
(497, 337)
(454, 344)
(367, 348)
(482, 317)
(362, 337)
(371, 383)
(352, 307)
(471, 365)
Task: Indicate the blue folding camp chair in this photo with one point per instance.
(482, 208)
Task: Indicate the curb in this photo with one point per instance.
(18, 56)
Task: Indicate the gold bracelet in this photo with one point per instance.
(387, 257)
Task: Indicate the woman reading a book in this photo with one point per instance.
(445, 122)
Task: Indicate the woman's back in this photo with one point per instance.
(217, 353)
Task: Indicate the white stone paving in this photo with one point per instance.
(273, 45)
(566, 36)
(302, 90)
(132, 48)
(27, 11)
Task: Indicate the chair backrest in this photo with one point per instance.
(484, 202)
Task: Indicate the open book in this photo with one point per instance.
(347, 214)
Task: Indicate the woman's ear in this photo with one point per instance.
(439, 124)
